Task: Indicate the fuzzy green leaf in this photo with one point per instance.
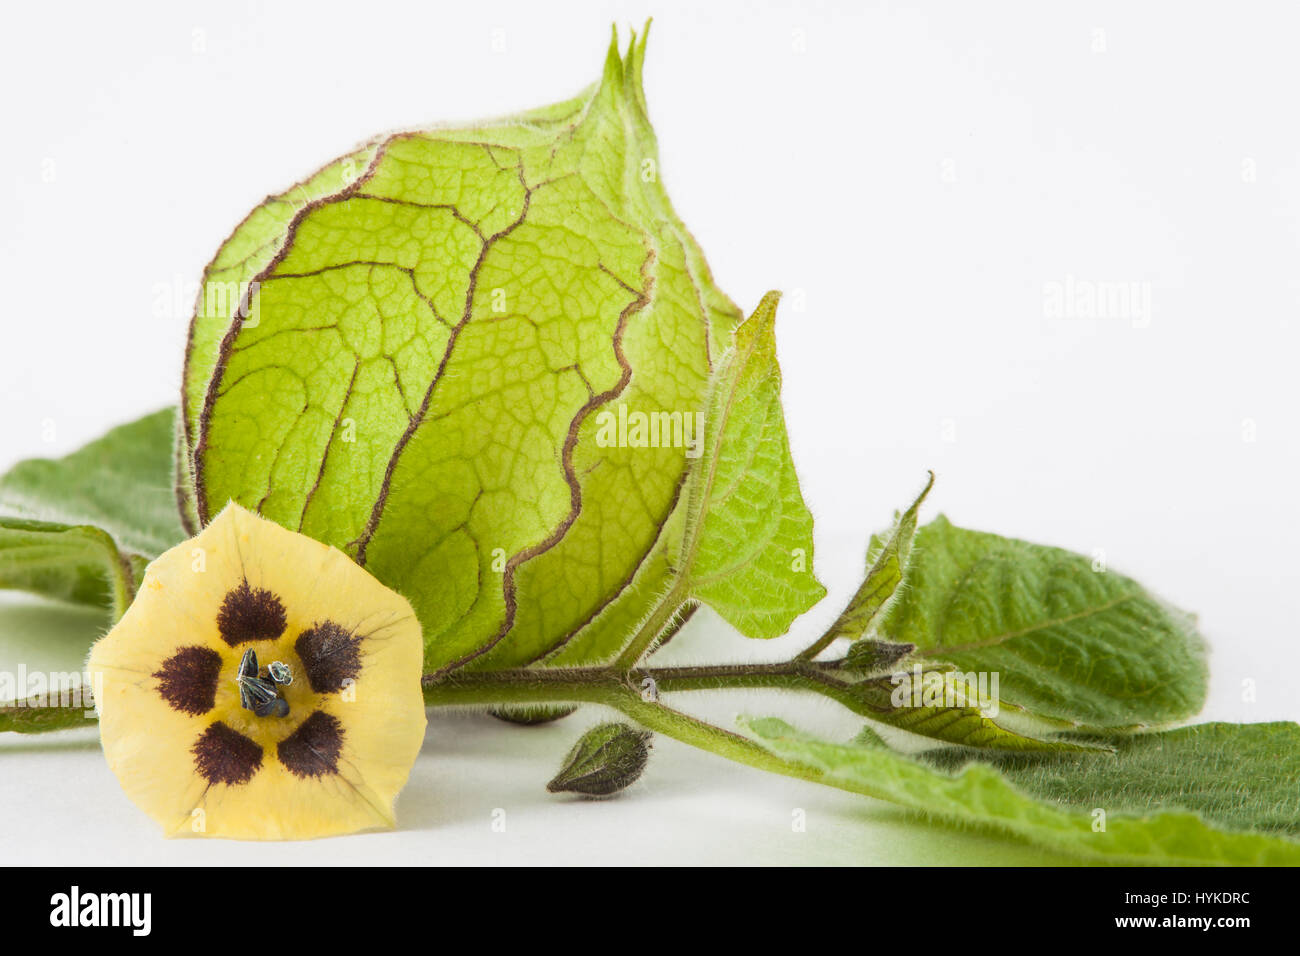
(79, 564)
(1241, 776)
(429, 352)
(945, 706)
(121, 483)
(1072, 644)
(885, 567)
(924, 701)
(980, 796)
(80, 528)
(747, 548)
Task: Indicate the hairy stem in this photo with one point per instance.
(551, 685)
(617, 689)
(610, 688)
(817, 646)
(671, 611)
(28, 718)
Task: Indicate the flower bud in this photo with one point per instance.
(608, 758)
(869, 654)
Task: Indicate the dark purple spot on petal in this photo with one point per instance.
(250, 614)
(330, 655)
(188, 679)
(222, 755)
(313, 749)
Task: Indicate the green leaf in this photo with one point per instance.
(430, 352)
(79, 564)
(942, 706)
(121, 483)
(980, 796)
(746, 548)
(886, 564)
(1240, 776)
(1070, 644)
(953, 710)
(79, 528)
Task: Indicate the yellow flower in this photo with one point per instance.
(314, 737)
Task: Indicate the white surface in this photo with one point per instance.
(914, 179)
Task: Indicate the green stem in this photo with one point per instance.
(818, 677)
(660, 621)
(613, 688)
(817, 646)
(725, 743)
(575, 685)
(551, 685)
(24, 719)
(607, 687)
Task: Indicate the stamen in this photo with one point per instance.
(280, 673)
(261, 695)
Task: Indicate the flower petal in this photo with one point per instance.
(171, 719)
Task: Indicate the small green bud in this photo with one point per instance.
(608, 758)
(869, 654)
(531, 714)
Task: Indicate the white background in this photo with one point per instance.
(914, 177)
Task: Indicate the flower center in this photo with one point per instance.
(253, 699)
(259, 691)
